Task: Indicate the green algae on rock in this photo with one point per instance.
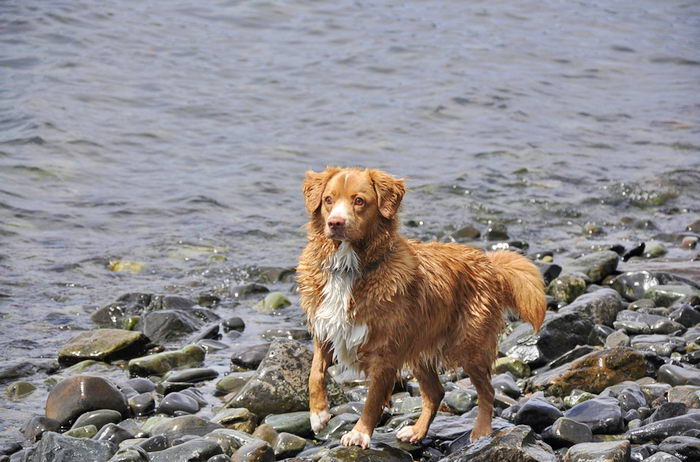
(103, 345)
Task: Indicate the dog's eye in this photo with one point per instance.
(328, 200)
(359, 201)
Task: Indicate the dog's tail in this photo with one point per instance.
(524, 286)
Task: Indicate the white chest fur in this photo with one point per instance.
(332, 323)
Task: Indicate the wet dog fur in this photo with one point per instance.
(377, 302)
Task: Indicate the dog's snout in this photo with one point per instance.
(335, 223)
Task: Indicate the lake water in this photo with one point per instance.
(176, 134)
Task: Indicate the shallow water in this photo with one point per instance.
(177, 134)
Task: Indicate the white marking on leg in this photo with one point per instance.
(319, 420)
(405, 434)
(355, 438)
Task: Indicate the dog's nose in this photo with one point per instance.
(336, 222)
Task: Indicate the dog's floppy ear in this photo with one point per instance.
(389, 191)
(313, 187)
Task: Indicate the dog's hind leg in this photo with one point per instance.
(380, 387)
(481, 378)
(431, 392)
(318, 400)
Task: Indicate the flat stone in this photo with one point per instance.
(84, 431)
(686, 394)
(602, 306)
(666, 295)
(676, 375)
(191, 375)
(602, 415)
(78, 394)
(288, 445)
(518, 443)
(183, 425)
(566, 432)
(296, 423)
(98, 418)
(662, 457)
(257, 451)
(281, 382)
(175, 403)
(667, 411)
(683, 447)
(617, 338)
(237, 419)
(113, 433)
(197, 450)
(635, 322)
(337, 427)
(160, 363)
(609, 451)
(658, 431)
(250, 357)
(56, 447)
(103, 345)
(35, 427)
(161, 326)
(233, 382)
(596, 265)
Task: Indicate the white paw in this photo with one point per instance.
(405, 434)
(319, 420)
(355, 438)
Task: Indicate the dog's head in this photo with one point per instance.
(348, 204)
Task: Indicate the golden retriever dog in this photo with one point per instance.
(377, 302)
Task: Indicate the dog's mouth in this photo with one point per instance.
(337, 234)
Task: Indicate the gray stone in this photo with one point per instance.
(667, 411)
(658, 431)
(337, 427)
(281, 382)
(191, 375)
(81, 393)
(596, 265)
(602, 415)
(537, 413)
(616, 339)
(143, 404)
(84, 431)
(602, 306)
(292, 334)
(667, 295)
(288, 445)
(676, 375)
(35, 427)
(662, 457)
(686, 394)
(184, 425)
(609, 451)
(230, 440)
(296, 423)
(512, 444)
(257, 451)
(237, 419)
(178, 402)
(460, 401)
(683, 447)
(113, 433)
(59, 448)
(566, 432)
(233, 382)
(98, 418)
(356, 454)
(250, 357)
(164, 325)
(197, 450)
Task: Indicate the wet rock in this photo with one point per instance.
(685, 315)
(292, 334)
(160, 363)
(518, 443)
(272, 302)
(176, 427)
(281, 382)
(58, 448)
(234, 323)
(617, 338)
(689, 242)
(602, 306)
(247, 290)
(237, 419)
(593, 373)
(197, 450)
(566, 432)
(113, 433)
(143, 404)
(76, 395)
(549, 271)
(141, 385)
(559, 334)
(161, 326)
(114, 314)
(10, 370)
(683, 447)
(610, 451)
(505, 383)
(633, 285)
(666, 295)
(466, 233)
(676, 375)
(513, 365)
(257, 451)
(220, 458)
(577, 397)
(19, 390)
(37, 426)
(337, 426)
(658, 431)
(602, 415)
(192, 375)
(230, 440)
(86, 431)
(356, 454)
(667, 411)
(686, 394)
(103, 345)
(571, 355)
(596, 265)
(635, 322)
(660, 345)
(406, 404)
(662, 457)
(288, 445)
(98, 418)
(496, 232)
(537, 413)
(460, 401)
(567, 287)
(628, 395)
(250, 357)
(177, 402)
(233, 382)
(296, 423)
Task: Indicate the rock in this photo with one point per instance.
(281, 382)
(230, 440)
(114, 314)
(537, 413)
(37, 426)
(662, 457)
(667, 411)
(634, 285)
(686, 394)
(197, 450)
(113, 433)
(143, 404)
(610, 451)
(513, 365)
(337, 427)
(272, 302)
(59, 448)
(292, 334)
(505, 383)
(237, 419)
(683, 447)
(98, 418)
(593, 373)
(602, 415)
(496, 232)
(559, 334)
(288, 445)
(689, 242)
(234, 323)
(86, 431)
(666, 295)
(658, 431)
(103, 345)
(602, 306)
(685, 315)
(356, 454)
(567, 287)
(460, 401)
(616, 339)
(466, 233)
(676, 375)
(577, 397)
(192, 375)
(161, 326)
(141, 385)
(160, 363)
(258, 451)
(591, 228)
(511, 444)
(635, 322)
(184, 425)
(628, 395)
(19, 390)
(78, 394)
(548, 270)
(175, 403)
(566, 432)
(296, 423)
(250, 357)
(597, 265)
(233, 382)
(10, 370)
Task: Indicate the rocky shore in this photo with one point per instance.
(611, 376)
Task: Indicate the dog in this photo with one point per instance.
(377, 302)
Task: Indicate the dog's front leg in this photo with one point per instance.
(380, 387)
(318, 400)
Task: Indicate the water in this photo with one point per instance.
(177, 134)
